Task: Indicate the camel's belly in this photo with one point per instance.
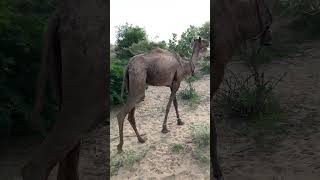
(160, 79)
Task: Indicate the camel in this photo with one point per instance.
(235, 22)
(157, 68)
(75, 61)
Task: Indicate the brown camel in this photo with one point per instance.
(235, 22)
(157, 68)
(75, 61)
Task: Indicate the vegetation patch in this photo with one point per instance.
(204, 66)
(189, 94)
(132, 40)
(201, 135)
(200, 155)
(201, 139)
(126, 159)
(251, 96)
(177, 148)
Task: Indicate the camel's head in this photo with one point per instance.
(265, 19)
(256, 21)
(200, 44)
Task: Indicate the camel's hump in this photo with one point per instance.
(158, 50)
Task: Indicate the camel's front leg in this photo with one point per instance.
(164, 125)
(217, 173)
(217, 72)
(219, 62)
(175, 103)
(174, 89)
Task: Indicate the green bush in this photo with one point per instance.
(116, 78)
(177, 148)
(250, 96)
(201, 135)
(127, 35)
(306, 16)
(21, 28)
(189, 93)
(308, 25)
(145, 46)
(183, 46)
(204, 66)
(201, 155)
(201, 138)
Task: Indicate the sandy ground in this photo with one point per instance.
(161, 162)
(297, 154)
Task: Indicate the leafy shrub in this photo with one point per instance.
(127, 35)
(249, 96)
(116, 78)
(201, 138)
(145, 46)
(193, 78)
(183, 46)
(127, 159)
(201, 135)
(176, 148)
(200, 155)
(306, 16)
(204, 66)
(189, 93)
(308, 25)
(21, 28)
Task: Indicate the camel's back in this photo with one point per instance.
(159, 65)
(156, 57)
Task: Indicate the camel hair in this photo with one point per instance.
(157, 68)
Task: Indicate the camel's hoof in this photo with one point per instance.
(165, 130)
(25, 172)
(179, 122)
(119, 149)
(142, 140)
(118, 116)
(220, 178)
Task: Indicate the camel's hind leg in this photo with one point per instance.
(132, 121)
(131, 102)
(62, 144)
(136, 90)
(217, 173)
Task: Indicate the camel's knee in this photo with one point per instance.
(120, 117)
(68, 167)
(31, 171)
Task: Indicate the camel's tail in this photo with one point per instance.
(49, 38)
(125, 82)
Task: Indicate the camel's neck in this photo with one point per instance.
(236, 22)
(187, 68)
(195, 55)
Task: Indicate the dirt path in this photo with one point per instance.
(160, 162)
(295, 156)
